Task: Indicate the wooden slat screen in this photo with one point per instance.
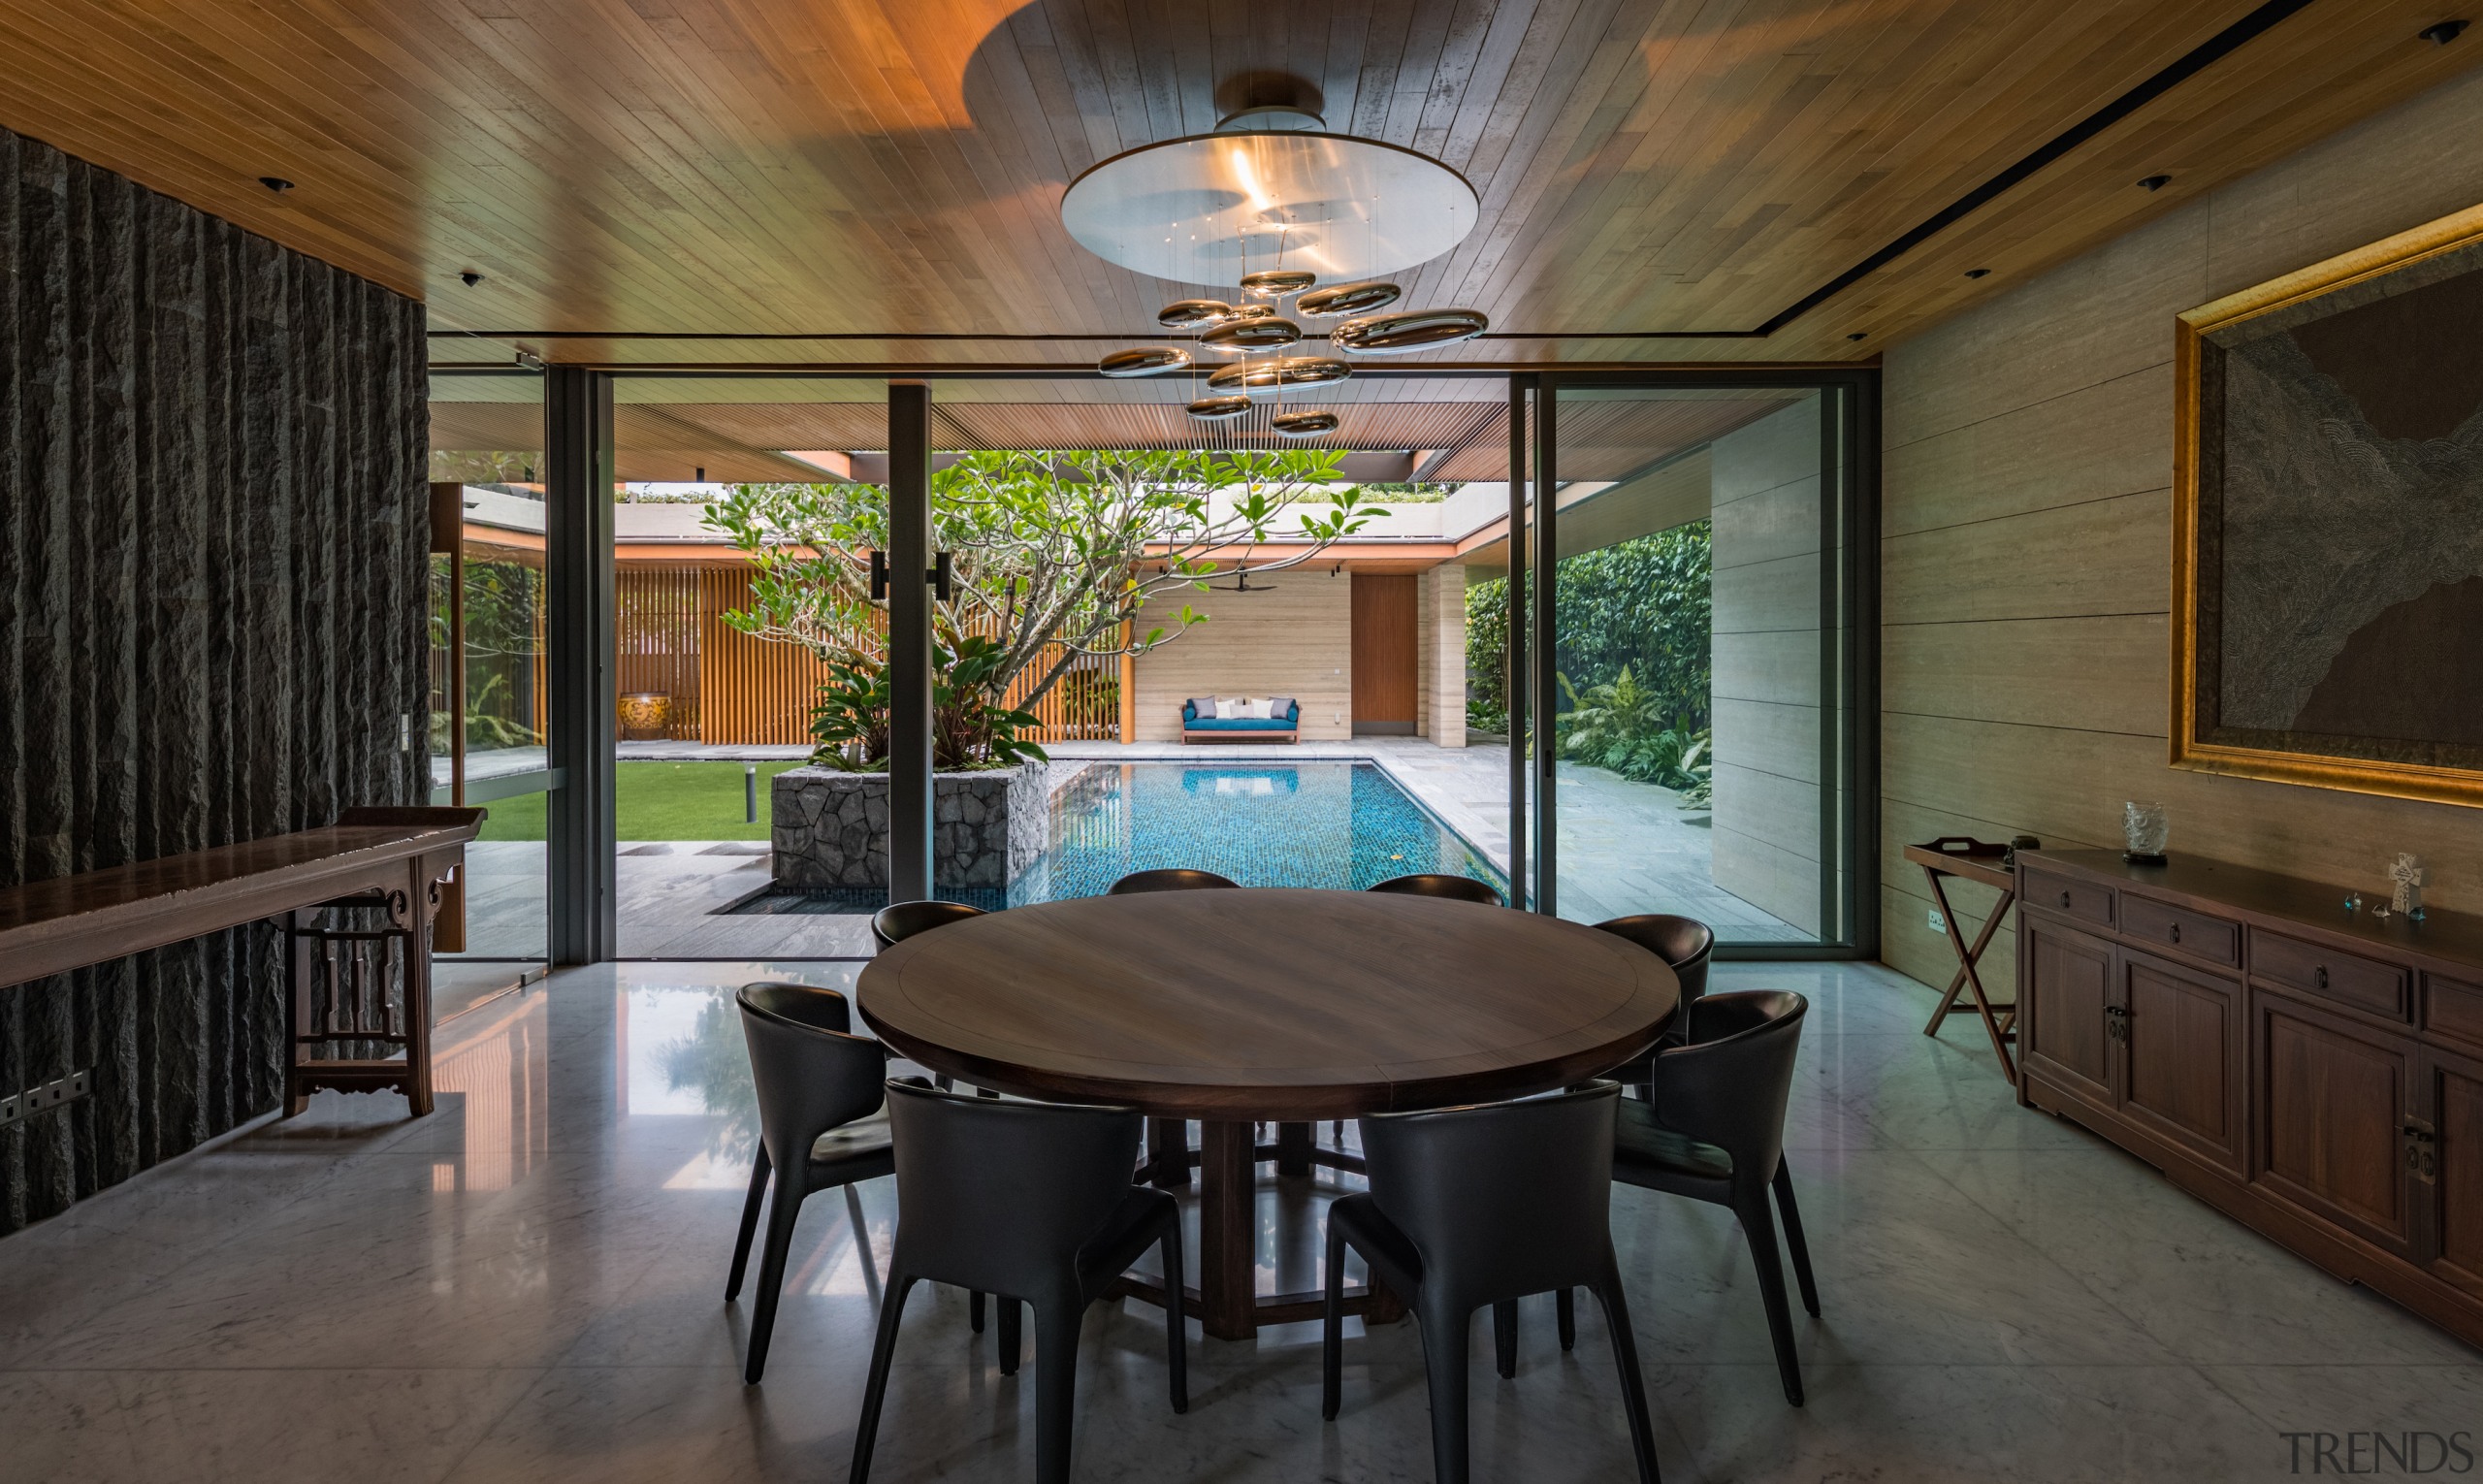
(657, 644)
(757, 691)
(730, 689)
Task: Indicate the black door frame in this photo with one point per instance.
(1848, 649)
(580, 457)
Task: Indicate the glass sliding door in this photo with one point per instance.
(1696, 705)
(489, 726)
(715, 685)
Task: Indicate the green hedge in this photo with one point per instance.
(1643, 605)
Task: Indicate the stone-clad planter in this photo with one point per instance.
(830, 828)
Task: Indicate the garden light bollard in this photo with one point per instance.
(750, 793)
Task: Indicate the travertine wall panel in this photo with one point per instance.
(2028, 540)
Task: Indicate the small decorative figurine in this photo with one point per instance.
(2407, 873)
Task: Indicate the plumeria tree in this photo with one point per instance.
(1047, 548)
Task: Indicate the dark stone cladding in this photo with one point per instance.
(212, 575)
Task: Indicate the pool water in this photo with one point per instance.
(1334, 825)
(1341, 825)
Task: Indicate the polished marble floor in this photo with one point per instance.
(527, 1285)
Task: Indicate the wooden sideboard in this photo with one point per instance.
(2313, 1072)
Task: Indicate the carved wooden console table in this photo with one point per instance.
(387, 861)
(2313, 1072)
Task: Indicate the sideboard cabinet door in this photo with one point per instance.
(2334, 1100)
(2183, 1054)
(2448, 1148)
(2068, 1038)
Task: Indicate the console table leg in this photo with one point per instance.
(418, 989)
(1228, 1270)
(297, 1009)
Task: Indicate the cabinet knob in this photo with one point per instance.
(2064, 900)
(2319, 976)
(2176, 932)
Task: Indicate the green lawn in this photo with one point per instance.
(657, 801)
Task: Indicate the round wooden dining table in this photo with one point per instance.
(1238, 1007)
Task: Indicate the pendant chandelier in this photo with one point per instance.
(1280, 210)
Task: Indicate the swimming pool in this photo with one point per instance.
(1338, 825)
(1341, 825)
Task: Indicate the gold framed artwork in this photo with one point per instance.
(2328, 523)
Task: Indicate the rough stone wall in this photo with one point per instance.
(212, 538)
(830, 828)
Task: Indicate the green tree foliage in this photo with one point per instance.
(1049, 548)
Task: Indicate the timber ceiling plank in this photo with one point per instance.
(892, 168)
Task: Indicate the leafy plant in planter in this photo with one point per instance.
(969, 730)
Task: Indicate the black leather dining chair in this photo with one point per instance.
(818, 1085)
(897, 921)
(1031, 1201)
(1687, 945)
(1481, 1206)
(1169, 878)
(892, 925)
(1455, 888)
(1715, 1132)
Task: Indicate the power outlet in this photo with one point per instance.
(1939, 924)
(18, 1107)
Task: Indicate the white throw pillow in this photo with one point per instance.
(1231, 708)
(1259, 708)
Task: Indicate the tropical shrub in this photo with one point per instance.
(969, 728)
(1625, 727)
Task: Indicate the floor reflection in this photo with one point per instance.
(528, 1285)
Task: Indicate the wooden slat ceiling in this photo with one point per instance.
(892, 168)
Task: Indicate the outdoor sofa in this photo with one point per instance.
(1201, 723)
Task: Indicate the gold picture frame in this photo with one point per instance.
(2189, 749)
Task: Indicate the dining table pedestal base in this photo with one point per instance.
(1226, 1299)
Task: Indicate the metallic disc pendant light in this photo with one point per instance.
(1145, 360)
(1218, 409)
(1276, 282)
(1267, 378)
(1268, 333)
(1334, 205)
(1193, 313)
(1397, 335)
(1302, 425)
(1346, 298)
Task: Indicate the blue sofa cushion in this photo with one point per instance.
(1285, 715)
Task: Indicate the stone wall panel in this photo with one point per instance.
(212, 562)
